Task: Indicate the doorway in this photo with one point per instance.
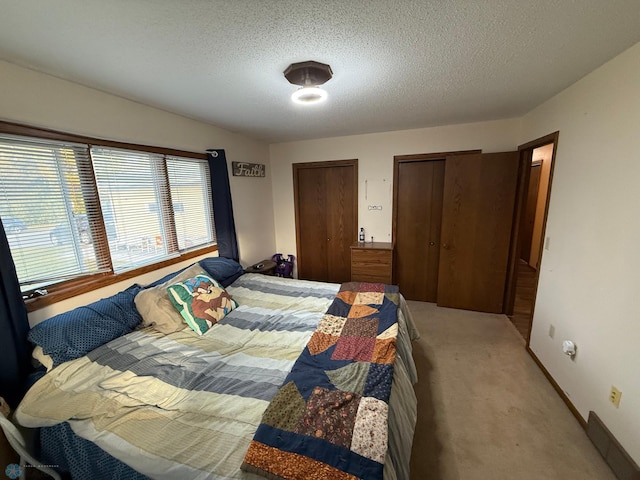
(537, 159)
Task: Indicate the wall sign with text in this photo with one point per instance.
(243, 169)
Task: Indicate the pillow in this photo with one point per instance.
(155, 307)
(201, 301)
(223, 270)
(73, 334)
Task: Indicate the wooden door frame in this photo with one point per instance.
(417, 157)
(328, 164)
(526, 155)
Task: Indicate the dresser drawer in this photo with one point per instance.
(372, 264)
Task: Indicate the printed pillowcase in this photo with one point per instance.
(201, 301)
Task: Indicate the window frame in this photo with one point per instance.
(86, 283)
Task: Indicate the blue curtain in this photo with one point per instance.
(222, 205)
(15, 353)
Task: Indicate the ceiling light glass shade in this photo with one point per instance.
(309, 95)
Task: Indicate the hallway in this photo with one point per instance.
(523, 306)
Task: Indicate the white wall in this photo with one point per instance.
(590, 276)
(41, 100)
(375, 154)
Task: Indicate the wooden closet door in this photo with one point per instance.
(325, 196)
(341, 220)
(311, 201)
(478, 208)
(419, 215)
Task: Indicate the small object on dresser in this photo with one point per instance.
(361, 236)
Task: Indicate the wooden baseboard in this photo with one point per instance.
(557, 388)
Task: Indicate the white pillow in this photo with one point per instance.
(155, 307)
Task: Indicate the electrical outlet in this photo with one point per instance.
(615, 396)
(552, 331)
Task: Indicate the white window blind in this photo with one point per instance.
(135, 201)
(190, 185)
(70, 209)
(45, 206)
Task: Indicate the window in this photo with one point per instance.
(43, 210)
(190, 184)
(73, 209)
(142, 224)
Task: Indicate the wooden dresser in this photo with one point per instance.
(372, 262)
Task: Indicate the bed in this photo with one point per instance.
(149, 404)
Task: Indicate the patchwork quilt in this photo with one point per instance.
(329, 419)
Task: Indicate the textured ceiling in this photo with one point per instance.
(397, 64)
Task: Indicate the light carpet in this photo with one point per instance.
(485, 410)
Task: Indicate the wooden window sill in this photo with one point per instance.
(78, 286)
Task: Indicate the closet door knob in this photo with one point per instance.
(431, 244)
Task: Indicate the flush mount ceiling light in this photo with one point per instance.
(308, 75)
(309, 95)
